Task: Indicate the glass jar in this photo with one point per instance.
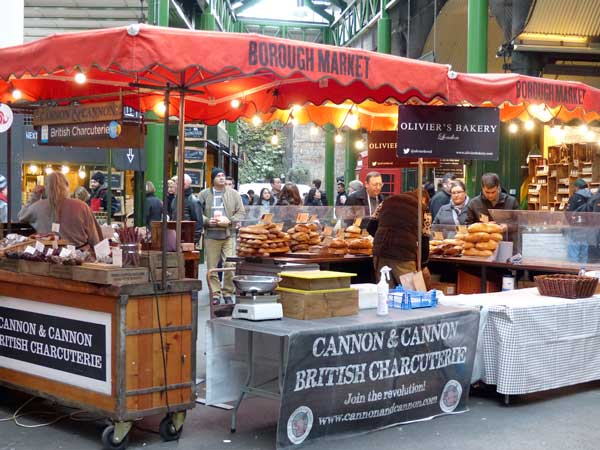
(131, 254)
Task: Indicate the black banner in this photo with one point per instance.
(67, 345)
(382, 149)
(354, 380)
(452, 132)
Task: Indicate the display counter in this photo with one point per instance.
(123, 352)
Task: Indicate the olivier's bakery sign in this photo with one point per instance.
(448, 132)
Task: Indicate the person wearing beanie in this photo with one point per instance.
(222, 208)
(3, 199)
(97, 200)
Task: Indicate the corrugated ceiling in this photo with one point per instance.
(566, 17)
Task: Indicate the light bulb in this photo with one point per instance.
(529, 125)
(274, 138)
(256, 120)
(48, 169)
(16, 94)
(590, 136)
(314, 130)
(353, 121)
(583, 129)
(235, 103)
(513, 128)
(80, 78)
(33, 169)
(82, 172)
(64, 170)
(294, 121)
(160, 108)
(359, 145)
(338, 138)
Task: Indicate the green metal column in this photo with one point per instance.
(138, 199)
(350, 157)
(158, 14)
(384, 30)
(329, 161)
(207, 21)
(476, 63)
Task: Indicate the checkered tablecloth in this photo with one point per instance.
(530, 343)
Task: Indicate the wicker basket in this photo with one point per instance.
(566, 286)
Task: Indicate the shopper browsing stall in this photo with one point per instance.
(192, 208)
(442, 197)
(75, 219)
(98, 196)
(222, 208)
(491, 197)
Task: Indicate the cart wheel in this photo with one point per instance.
(109, 442)
(168, 431)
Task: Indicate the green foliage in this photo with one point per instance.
(299, 175)
(263, 160)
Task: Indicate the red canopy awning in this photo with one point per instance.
(264, 73)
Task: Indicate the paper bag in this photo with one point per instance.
(413, 281)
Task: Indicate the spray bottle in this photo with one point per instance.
(383, 290)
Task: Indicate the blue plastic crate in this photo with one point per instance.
(401, 298)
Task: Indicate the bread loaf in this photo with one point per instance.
(477, 228)
(496, 236)
(489, 245)
(477, 237)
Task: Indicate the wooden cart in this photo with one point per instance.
(104, 349)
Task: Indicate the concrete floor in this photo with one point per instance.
(556, 420)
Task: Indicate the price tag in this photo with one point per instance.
(357, 222)
(102, 249)
(302, 218)
(56, 227)
(71, 249)
(64, 253)
(39, 246)
(438, 235)
(313, 218)
(49, 252)
(30, 250)
(484, 218)
(117, 257)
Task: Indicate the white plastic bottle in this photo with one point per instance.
(383, 290)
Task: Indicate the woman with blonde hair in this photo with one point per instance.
(77, 223)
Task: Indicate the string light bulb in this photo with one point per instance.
(314, 130)
(160, 108)
(256, 120)
(529, 125)
(590, 136)
(16, 94)
(513, 128)
(584, 129)
(360, 144)
(48, 169)
(33, 169)
(81, 172)
(338, 137)
(64, 169)
(275, 138)
(80, 78)
(296, 108)
(353, 121)
(235, 103)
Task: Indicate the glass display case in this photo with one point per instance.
(334, 216)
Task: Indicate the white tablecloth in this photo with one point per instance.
(530, 343)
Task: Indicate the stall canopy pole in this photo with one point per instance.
(180, 168)
(109, 190)
(165, 192)
(420, 213)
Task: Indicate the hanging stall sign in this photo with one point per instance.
(453, 166)
(382, 149)
(350, 380)
(94, 112)
(6, 117)
(194, 132)
(97, 134)
(56, 342)
(453, 132)
(195, 155)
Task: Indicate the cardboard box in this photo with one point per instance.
(307, 305)
(446, 288)
(110, 275)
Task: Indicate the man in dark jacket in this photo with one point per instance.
(442, 197)
(579, 235)
(99, 188)
(491, 197)
(192, 208)
(317, 185)
(369, 196)
(581, 196)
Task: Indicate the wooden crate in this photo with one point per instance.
(316, 280)
(110, 275)
(61, 271)
(153, 261)
(35, 268)
(307, 305)
(9, 264)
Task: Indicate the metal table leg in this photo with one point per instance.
(249, 381)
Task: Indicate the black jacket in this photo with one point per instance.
(440, 199)
(170, 198)
(481, 205)
(115, 204)
(152, 209)
(360, 198)
(192, 210)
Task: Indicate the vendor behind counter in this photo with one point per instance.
(77, 223)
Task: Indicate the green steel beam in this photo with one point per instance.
(340, 4)
(208, 22)
(319, 9)
(350, 156)
(330, 161)
(384, 30)
(359, 16)
(288, 23)
(158, 12)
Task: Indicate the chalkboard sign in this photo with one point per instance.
(197, 177)
(195, 132)
(195, 154)
(116, 178)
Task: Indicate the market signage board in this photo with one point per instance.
(56, 342)
(453, 166)
(454, 132)
(95, 112)
(353, 380)
(98, 134)
(382, 149)
(194, 132)
(195, 154)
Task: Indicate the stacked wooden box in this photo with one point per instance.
(317, 294)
